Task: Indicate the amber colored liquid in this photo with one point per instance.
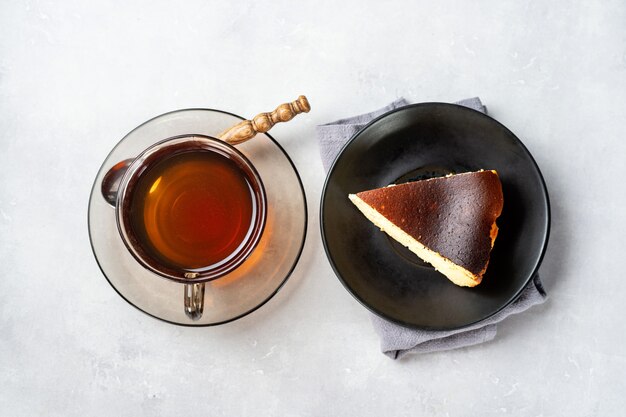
(192, 210)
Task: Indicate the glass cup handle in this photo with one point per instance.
(194, 300)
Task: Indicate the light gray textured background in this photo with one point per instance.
(76, 76)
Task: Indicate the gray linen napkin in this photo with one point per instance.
(397, 341)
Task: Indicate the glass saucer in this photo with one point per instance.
(254, 282)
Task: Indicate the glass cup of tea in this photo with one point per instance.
(191, 209)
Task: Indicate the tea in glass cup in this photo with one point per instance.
(191, 209)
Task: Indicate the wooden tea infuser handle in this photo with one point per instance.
(262, 122)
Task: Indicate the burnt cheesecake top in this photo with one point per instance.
(453, 215)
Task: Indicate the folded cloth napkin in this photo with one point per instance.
(397, 341)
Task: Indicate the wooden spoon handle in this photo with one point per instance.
(263, 122)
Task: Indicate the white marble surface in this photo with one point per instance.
(76, 76)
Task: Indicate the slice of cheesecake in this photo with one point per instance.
(449, 222)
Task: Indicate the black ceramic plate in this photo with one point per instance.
(422, 141)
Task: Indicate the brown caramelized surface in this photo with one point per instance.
(450, 215)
